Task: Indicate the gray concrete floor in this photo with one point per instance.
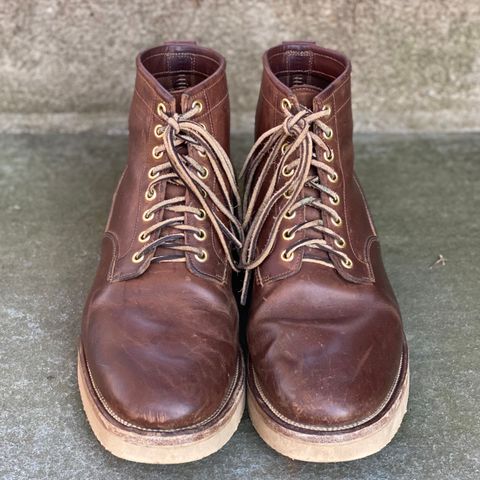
(55, 192)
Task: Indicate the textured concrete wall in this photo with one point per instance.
(69, 64)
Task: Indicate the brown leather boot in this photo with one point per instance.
(160, 368)
(328, 367)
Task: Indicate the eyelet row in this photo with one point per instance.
(201, 235)
(333, 178)
(151, 194)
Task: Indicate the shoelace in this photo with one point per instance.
(179, 131)
(295, 145)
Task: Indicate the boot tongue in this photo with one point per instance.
(305, 94)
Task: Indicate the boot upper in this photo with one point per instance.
(160, 327)
(325, 335)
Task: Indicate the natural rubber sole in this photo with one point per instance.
(159, 447)
(331, 446)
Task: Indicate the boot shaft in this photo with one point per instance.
(177, 84)
(313, 77)
(299, 76)
(176, 75)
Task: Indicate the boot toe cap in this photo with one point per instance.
(327, 373)
(163, 376)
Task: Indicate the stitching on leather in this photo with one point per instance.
(212, 242)
(310, 69)
(343, 104)
(306, 90)
(214, 84)
(347, 200)
(299, 52)
(146, 81)
(368, 245)
(113, 260)
(169, 430)
(207, 275)
(364, 261)
(107, 227)
(211, 109)
(372, 226)
(135, 226)
(160, 74)
(209, 112)
(139, 271)
(332, 99)
(347, 230)
(276, 110)
(152, 112)
(182, 54)
(296, 267)
(258, 277)
(193, 60)
(329, 429)
(310, 72)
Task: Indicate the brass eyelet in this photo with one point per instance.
(337, 221)
(159, 131)
(327, 108)
(287, 172)
(347, 263)
(328, 134)
(290, 215)
(201, 215)
(287, 257)
(150, 195)
(147, 215)
(286, 103)
(340, 242)
(156, 152)
(161, 108)
(202, 257)
(328, 156)
(284, 148)
(202, 153)
(334, 200)
(152, 174)
(333, 178)
(142, 238)
(203, 175)
(136, 258)
(201, 235)
(203, 126)
(287, 234)
(198, 104)
(288, 194)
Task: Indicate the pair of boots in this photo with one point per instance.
(160, 368)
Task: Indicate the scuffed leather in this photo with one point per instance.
(161, 339)
(325, 344)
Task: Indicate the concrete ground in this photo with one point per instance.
(55, 192)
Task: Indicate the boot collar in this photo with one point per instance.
(186, 58)
(284, 68)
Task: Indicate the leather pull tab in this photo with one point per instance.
(299, 42)
(181, 42)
